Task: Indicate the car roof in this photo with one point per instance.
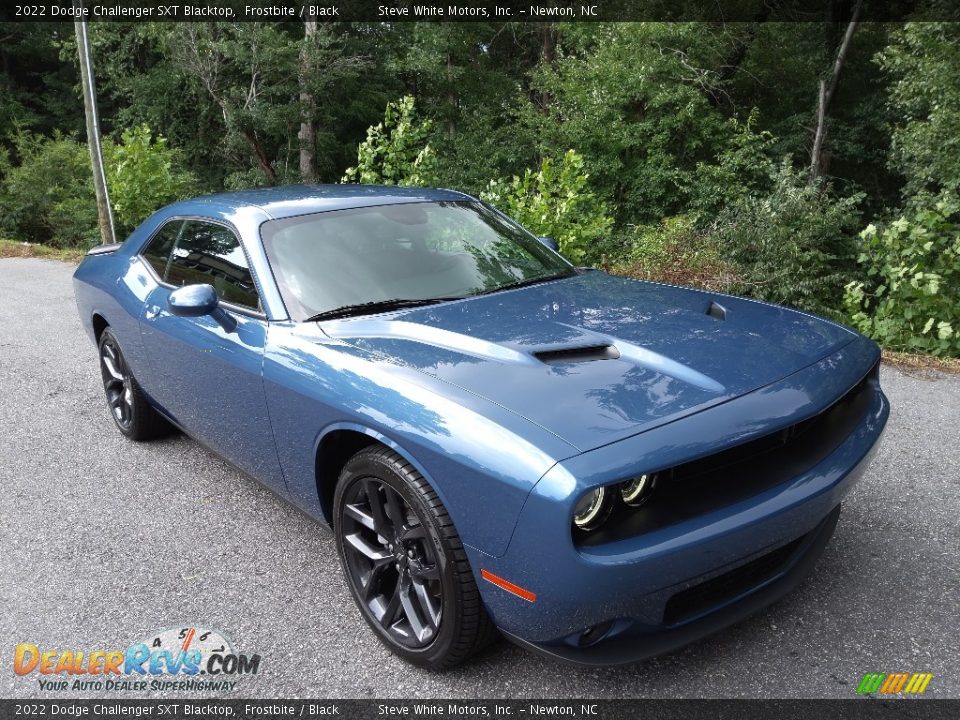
(290, 200)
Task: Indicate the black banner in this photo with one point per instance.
(853, 709)
(399, 11)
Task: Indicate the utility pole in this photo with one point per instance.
(308, 106)
(104, 211)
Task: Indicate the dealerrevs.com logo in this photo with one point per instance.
(186, 658)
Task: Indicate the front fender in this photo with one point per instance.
(481, 459)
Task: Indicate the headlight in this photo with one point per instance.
(592, 509)
(637, 491)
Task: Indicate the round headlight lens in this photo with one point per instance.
(592, 509)
(637, 491)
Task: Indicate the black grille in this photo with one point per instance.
(700, 598)
(708, 483)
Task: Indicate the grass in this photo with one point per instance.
(17, 249)
(912, 361)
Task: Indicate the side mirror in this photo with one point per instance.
(550, 243)
(197, 301)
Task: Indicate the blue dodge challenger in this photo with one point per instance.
(599, 468)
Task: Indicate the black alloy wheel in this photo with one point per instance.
(129, 408)
(405, 564)
(392, 563)
(117, 382)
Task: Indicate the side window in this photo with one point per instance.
(157, 253)
(208, 253)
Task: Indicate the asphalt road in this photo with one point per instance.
(104, 541)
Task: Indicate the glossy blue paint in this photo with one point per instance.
(632, 579)
(675, 359)
(316, 384)
(193, 301)
(509, 441)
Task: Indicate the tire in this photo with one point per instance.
(131, 411)
(411, 580)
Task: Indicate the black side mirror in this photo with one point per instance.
(199, 300)
(550, 243)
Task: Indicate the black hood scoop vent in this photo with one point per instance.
(716, 311)
(580, 354)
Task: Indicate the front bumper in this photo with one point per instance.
(663, 589)
(636, 643)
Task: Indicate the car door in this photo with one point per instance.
(209, 379)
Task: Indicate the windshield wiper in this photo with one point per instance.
(529, 281)
(375, 306)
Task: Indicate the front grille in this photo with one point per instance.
(702, 597)
(724, 478)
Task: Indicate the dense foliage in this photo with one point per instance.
(909, 301)
(793, 245)
(397, 151)
(675, 151)
(555, 201)
(143, 174)
(47, 197)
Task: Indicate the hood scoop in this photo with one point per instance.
(580, 354)
(716, 311)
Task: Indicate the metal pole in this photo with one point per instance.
(107, 231)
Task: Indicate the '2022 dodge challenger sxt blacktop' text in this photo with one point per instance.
(600, 468)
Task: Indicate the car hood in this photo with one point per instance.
(594, 358)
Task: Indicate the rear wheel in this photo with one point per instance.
(131, 411)
(405, 564)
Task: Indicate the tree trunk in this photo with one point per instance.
(260, 155)
(308, 108)
(548, 52)
(104, 211)
(451, 99)
(827, 90)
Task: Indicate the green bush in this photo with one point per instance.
(555, 201)
(143, 174)
(396, 151)
(911, 298)
(795, 246)
(743, 168)
(48, 198)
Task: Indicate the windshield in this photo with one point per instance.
(411, 251)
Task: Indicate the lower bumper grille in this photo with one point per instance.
(693, 601)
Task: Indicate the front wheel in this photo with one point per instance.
(405, 564)
(131, 411)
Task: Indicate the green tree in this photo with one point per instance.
(48, 196)
(634, 99)
(143, 174)
(922, 59)
(555, 201)
(396, 151)
(795, 245)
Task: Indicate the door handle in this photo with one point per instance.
(151, 312)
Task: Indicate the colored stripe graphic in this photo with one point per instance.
(918, 683)
(871, 683)
(894, 683)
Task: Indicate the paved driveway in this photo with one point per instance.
(103, 541)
